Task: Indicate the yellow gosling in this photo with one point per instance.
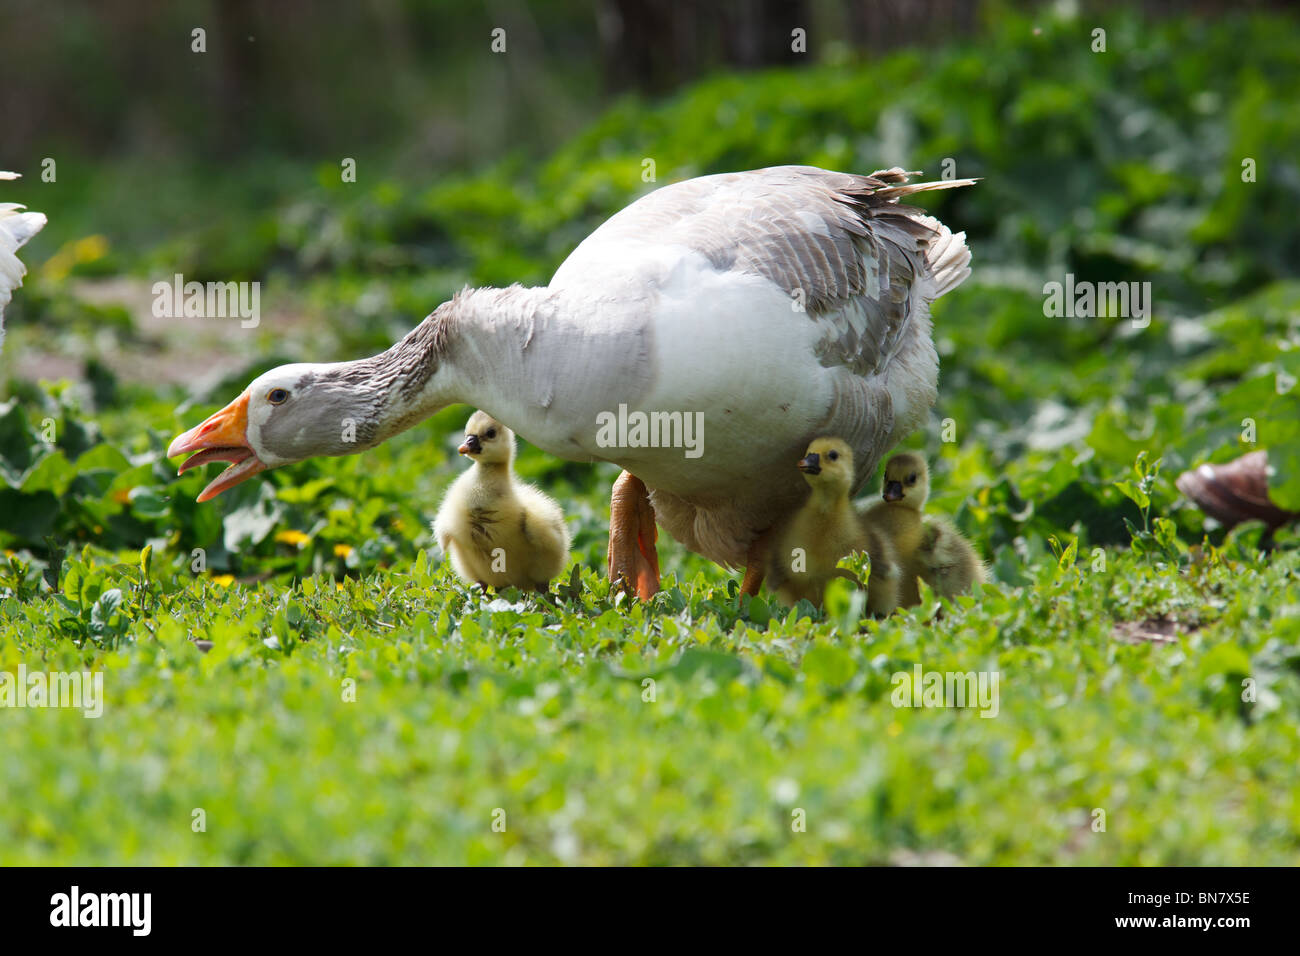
(897, 517)
(497, 530)
(949, 563)
(824, 530)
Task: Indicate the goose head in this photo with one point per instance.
(907, 481)
(487, 441)
(827, 466)
(289, 414)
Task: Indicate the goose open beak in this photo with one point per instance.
(223, 437)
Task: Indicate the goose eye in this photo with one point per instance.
(490, 433)
(277, 396)
(911, 479)
(834, 456)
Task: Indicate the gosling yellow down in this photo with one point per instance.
(497, 530)
(927, 547)
(824, 530)
(949, 563)
(897, 518)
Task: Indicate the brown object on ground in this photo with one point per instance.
(1154, 630)
(1235, 492)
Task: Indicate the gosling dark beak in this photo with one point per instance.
(811, 464)
(893, 491)
(470, 446)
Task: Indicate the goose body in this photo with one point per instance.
(496, 530)
(783, 303)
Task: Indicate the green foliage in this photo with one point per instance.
(384, 719)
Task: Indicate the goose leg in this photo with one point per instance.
(632, 557)
(755, 564)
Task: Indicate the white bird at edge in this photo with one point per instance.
(16, 227)
(778, 304)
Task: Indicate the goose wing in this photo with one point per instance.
(840, 245)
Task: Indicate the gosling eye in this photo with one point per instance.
(490, 433)
(834, 456)
(277, 396)
(911, 479)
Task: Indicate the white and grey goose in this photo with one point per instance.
(781, 303)
(16, 227)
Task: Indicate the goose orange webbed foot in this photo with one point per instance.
(633, 560)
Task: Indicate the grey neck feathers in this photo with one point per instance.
(494, 357)
(404, 370)
(459, 352)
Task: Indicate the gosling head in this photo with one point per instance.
(828, 466)
(487, 441)
(907, 481)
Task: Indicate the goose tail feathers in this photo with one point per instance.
(947, 256)
(946, 253)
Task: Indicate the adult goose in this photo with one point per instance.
(752, 311)
(16, 227)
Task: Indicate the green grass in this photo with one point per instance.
(358, 705)
(465, 704)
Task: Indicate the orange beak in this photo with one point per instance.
(223, 437)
